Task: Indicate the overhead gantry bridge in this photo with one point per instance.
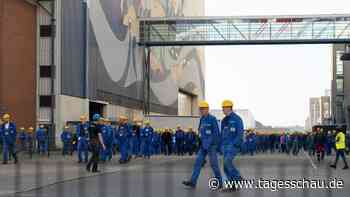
(247, 30)
(312, 29)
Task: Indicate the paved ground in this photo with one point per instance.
(161, 176)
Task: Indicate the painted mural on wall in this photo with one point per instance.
(115, 60)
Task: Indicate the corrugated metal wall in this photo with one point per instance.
(73, 48)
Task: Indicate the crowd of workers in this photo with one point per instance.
(105, 138)
(292, 143)
(137, 139)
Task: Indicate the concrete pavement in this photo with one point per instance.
(162, 176)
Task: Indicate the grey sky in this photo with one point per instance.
(274, 82)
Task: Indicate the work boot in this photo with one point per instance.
(346, 167)
(88, 167)
(188, 184)
(333, 166)
(4, 162)
(94, 169)
(16, 160)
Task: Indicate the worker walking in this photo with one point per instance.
(8, 134)
(231, 140)
(210, 141)
(124, 135)
(22, 137)
(96, 140)
(166, 139)
(30, 141)
(83, 139)
(179, 140)
(109, 141)
(41, 138)
(66, 138)
(340, 149)
(146, 139)
(190, 141)
(135, 138)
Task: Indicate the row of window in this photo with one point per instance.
(339, 72)
(46, 71)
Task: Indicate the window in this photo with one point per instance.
(45, 101)
(339, 63)
(185, 104)
(45, 30)
(339, 99)
(45, 71)
(340, 85)
(326, 112)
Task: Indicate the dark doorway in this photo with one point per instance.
(95, 108)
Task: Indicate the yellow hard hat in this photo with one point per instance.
(227, 103)
(66, 127)
(123, 117)
(82, 118)
(6, 116)
(146, 121)
(22, 128)
(31, 129)
(178, 126)
(203, 104)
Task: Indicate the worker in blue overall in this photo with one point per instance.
(180, 137)
(155, 143)
(231, 141)
(107, 135)
(66, 138)
(8, 135)
(251, 142)
(135, 138)
(109, 142)
(30, 141)
(124, 135)
(190, 141)
(83, 140)
(42, 138)
(210, 141)
(146, 139)
(22, 137)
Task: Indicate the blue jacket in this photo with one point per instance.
(8, 135)
(155, 138)
(83, 131)
(107, 134)
(251, 140)
(146, 133)
(41, 135)
(209, 131)
(232, 130)
(22, 136)
(123, 133)
(190, 138)
(66, 137)
(180, 135)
